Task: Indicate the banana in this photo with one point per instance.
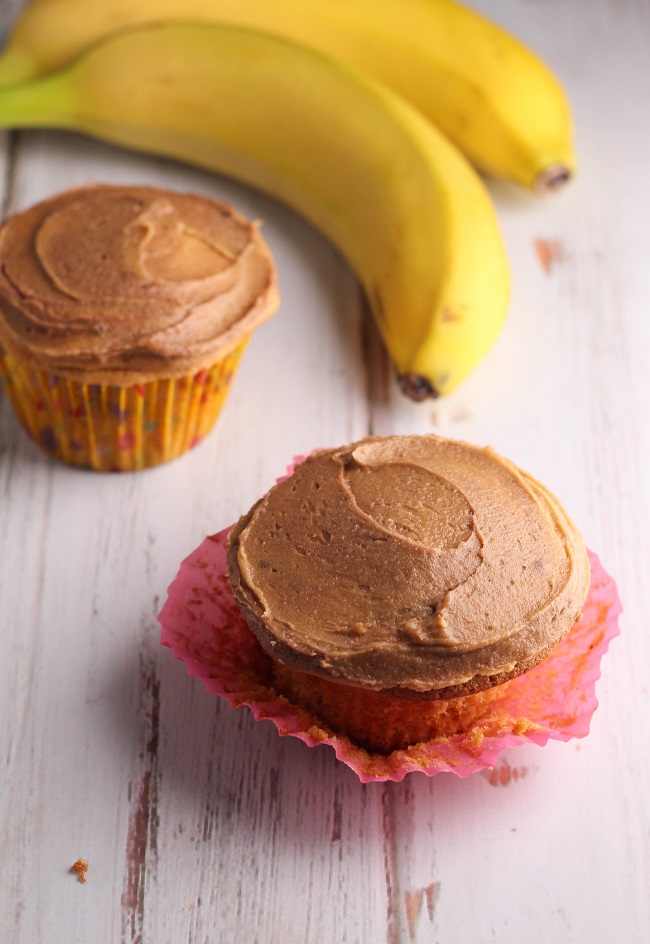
(491, 95)
(400, 202)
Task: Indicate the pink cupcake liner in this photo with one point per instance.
(203, 626)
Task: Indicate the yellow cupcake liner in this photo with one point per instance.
(117, 429)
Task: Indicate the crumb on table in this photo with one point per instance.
(80, 867)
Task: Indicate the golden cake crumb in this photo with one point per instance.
(80, 867)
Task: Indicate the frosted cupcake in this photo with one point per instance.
(398, 583)
(123, 314)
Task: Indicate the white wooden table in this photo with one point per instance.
(201, 825)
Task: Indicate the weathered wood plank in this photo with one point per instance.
(200, 824)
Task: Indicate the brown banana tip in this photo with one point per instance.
(416, 387)
(552, 178)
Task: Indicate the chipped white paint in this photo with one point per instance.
(199, 824)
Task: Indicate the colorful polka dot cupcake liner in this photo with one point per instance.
(117, 429)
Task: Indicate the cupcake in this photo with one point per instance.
(399, 583)
(123, 314)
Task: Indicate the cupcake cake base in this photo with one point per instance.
(378, 721)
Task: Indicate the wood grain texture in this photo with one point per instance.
(201, 825)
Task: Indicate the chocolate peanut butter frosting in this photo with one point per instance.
(409, 563)
(121, 285)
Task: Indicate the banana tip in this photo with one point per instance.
(552, 178)
(416, 387)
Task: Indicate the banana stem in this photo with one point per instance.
(41, 102)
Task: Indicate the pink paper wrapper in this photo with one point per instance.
(203, 626)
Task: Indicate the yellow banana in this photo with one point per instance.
(401, 203)
(490, 94)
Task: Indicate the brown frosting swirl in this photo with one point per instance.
(121, 285)
(414, 564)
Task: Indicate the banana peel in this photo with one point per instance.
(391, 192)
(490, 94)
